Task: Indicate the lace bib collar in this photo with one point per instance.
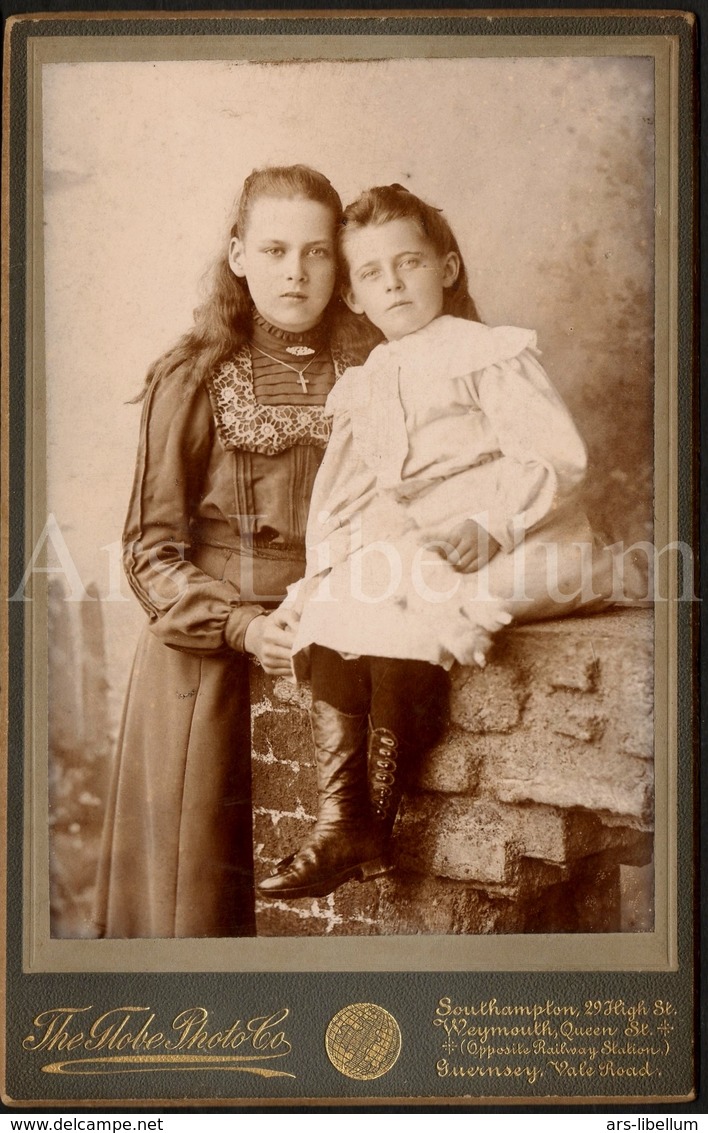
(243, 423)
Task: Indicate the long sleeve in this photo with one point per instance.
(188, 609)
(544, 458)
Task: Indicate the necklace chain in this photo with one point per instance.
(300, 373)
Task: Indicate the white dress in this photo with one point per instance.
(457, 421)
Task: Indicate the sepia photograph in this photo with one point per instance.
(352, 574)
(520, 798)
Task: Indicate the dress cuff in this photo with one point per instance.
(498, 528)
(238, 622)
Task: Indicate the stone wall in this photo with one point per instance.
(534, 813)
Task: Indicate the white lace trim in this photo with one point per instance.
(245, 424)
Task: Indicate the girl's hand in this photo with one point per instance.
(468, 547)
(269, 637)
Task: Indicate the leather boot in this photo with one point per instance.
(344, 844)
(385, 785)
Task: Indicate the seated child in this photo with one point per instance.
(444, 508)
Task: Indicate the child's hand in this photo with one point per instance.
(270, 638)
(468, 547)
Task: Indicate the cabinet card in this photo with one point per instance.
(531, 940)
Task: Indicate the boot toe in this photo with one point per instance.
(313, 873)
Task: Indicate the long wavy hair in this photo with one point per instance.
(222, 323)
(385, 203)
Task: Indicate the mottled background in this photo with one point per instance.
(544, 167)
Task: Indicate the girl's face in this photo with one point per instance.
(396, 277)
(287, 257)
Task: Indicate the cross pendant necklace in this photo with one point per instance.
(300, 373)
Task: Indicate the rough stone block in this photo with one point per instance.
(532, 877)
(487, 700)
(351, 911)
(628, 846)
(284, 734)
(291, 918)
(355, 927)
(543, 832)
(580, 723)
(277, 835)
(573, 669)
(557, 771)
(457, 838)
(411, 903)
(619, 645)
(564, 837)
(283, 785)
(452, 767)
(588, 901)
(358, 904)
(586, 835)
(635, 727)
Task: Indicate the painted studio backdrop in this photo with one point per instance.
(544, 167)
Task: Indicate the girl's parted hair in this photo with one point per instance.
(222, 322)
(385, 203)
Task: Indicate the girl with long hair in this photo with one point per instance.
(233, 431)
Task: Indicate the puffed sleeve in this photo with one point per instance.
(187, 609)
(544, 458)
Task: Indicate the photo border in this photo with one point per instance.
(669, 948)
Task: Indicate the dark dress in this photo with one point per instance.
(214, 535)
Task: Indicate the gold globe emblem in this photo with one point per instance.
(363, 1041)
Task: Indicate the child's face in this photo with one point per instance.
(287, 257)
(396, 277)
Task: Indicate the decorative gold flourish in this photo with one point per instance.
(148, 1063)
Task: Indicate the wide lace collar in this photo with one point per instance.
(243, 423)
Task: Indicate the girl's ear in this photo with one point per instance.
(451, 269)
(350, 300)
(236, 258)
